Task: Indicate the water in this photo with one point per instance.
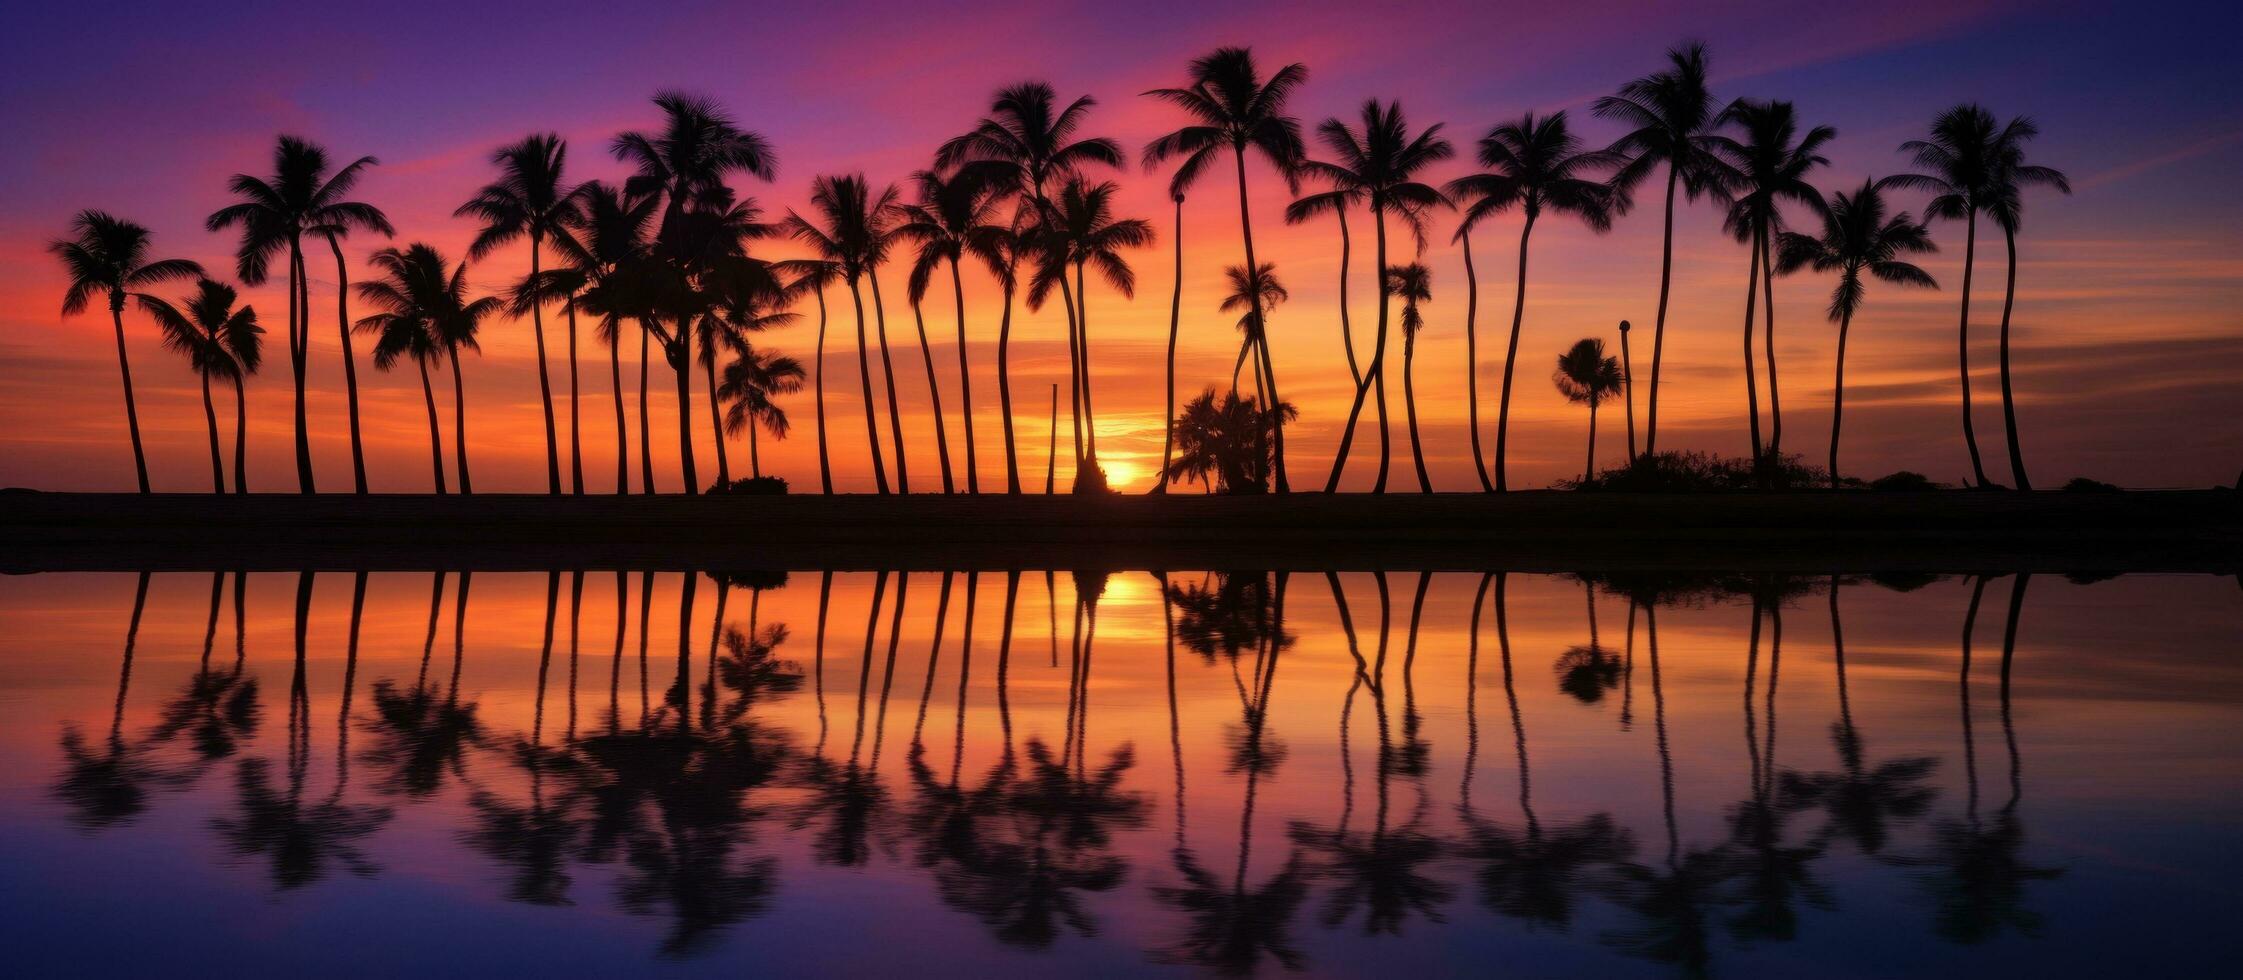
(992, 774)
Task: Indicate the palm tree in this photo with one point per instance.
(1337, 201)
(1414, 284)
(1231, 105)
(404, 335)
(1857, 237)
(1533, 165)
(600, 249)
(1252, 297)
(107, 255)
(1175, 321)
(2011, 175)
(1380, 164)
(954, 216)
(740, 291)
(1081, 230)
(416, 286)
(276, 212)
(1585, 376)
(1228, 440)
(751, 381)
(1771, 162)
(813, 276)
(219, 339)
(853, 235)
(531, 200)
(1671, 117)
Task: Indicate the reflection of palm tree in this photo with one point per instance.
(1862, 802)
(1772, 875)
(849, 794)
(108, 786)
(1051, 839)
(425, 731)
(1586, 672)
(218, 710)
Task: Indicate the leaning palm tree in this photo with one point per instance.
(1585, 376)
(1232, 106)
(406, 335)
(416, 284)
(1082, 231)
(1336, 202)
(743, 292)
(1378, 163)
(1252, 297)
(220, 339)
(275, 213)
(2011, 175)
(1533, 165)
(752, 382)
(954, 216)
(1858, 236)
(1671, 117)
(611, 236)
(108, 256)
(1175, 322)
(1771, 160)
(813, 276)
(531, 199)
(1414, 284)
(852, 233)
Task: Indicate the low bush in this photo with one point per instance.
(1905, 481)
(2081, 484)
(754, 485)
(1695, 472)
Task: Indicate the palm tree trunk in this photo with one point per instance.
(545, 385)
(576, 425)
(1074, 372)
(1471, 358)
(435, 441)
(934, 397)
(132, 411)
(681, 361)
(1628, 389)
(1051, 445)
(459, 431)
(1372, 374)
(217, 460)
(1768, 339)
(1510, 361)
(1082, 329)
(350, 360)
(755, 454)
(1254, 297)
(2009, 399)
(1175, 314)
(1004, 388)
(646, 423)
(1659, 326)
(1588, 472)
(818, 382)
(1838, 397)
(622, 441)
(1409, 405)
(864, 376)
(1347, 333)
(716, 422)
(888, 375)
(1752, 391)
(1962, 334)
(241, 437)
(298, 314)
(965, 380)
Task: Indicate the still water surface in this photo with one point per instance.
(601, 773)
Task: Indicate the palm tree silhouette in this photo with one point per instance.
(276, 212)
(1414, 284)
(853, 236)
(397, 335)
(1772, 874)
(1175, 321)
(1857, 237)
(1771, 162)
(1533, 165)
(217, 339)
(532, 200)
(1585, 376)
(743, 293)
(218, 710)
(1227, 440)
(108, 256)
(1378, 163)
(751, 383)
(1081, 230)
(813, 276)
(1586, 672)
(416, 288)
(423, 732)
(1231, 105)
(1336, 201)
(1862, 801)
(601, 251)
(2011, 176)
(109, 786)
(1671, 117)
(954, 216)
(934, 397)
(1253, 296)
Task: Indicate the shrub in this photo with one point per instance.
(1091, 479)
(1695, 472)
(1905, 481)
(2081, 484)
(754, 485)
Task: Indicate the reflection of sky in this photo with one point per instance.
(2125, 322)
(2125, 711)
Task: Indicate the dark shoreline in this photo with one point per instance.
(1804, 532)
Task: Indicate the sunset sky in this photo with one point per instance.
(2128, 335)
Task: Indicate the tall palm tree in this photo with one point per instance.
(275, 212)
(404, 334)
(1336, 202)
(417, 285)
(1175, 322)
(1232, 106)
(219, 339)
(1533, 165)
(2011, 176)
(532, 200)
(1003, 259)
(1378, 163)
(1414, 284)
(1771, 160)
(751, 383)
(611, 237)
(1082, 231)
(1585, 376)
(813, 276)
(1858, 236)
(852, 233)
(954, 216)
(108, 256)
(1671, 117)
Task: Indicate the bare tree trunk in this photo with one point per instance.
(435, 441)
(680, 353)
(1004, 387)
(1752, 391)
(217, 460)
(459, 433)
(1051, 448)
(544, 384)
(825, 462)
(716, 421)
(350, 360)
(888, 374)
(298, 316)
(1471, 358)
(1254, 297)
(132, 412)
(934, 397)
(864, 376)
(576, 424)
(2009, 398)
(1510, 361)
(1838, 398)
(1962, 334)
(646, 417)
(241, 437)
(1659, 327)
(965, 380)
(622, 441)
(1372, 374)
(1409, 406)
(1768, 339)
(1175, 314)
(1628, 389)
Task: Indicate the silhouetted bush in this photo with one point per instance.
(1905, 481)
(1695, 472)
(754, 485)
(2081, 484)
(1092, 479)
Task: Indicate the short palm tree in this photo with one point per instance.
(1772, 161)
(218, 339)
(1378, 163)
(2011, 176)
(1858, 237)
(1670, 116)
(954, 216)
(611, 236)
(1252, 297)
(108, 256)
(853, 233)
(532, 200)
(275, 213)
(418, 286)
(1414, 284)
(403, 335)
(752, 384)
(1534, 165)
(1233, 107)
(1083, 231)
(1585, 376)
(1223, 443)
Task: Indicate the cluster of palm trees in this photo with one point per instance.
(667, 251)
